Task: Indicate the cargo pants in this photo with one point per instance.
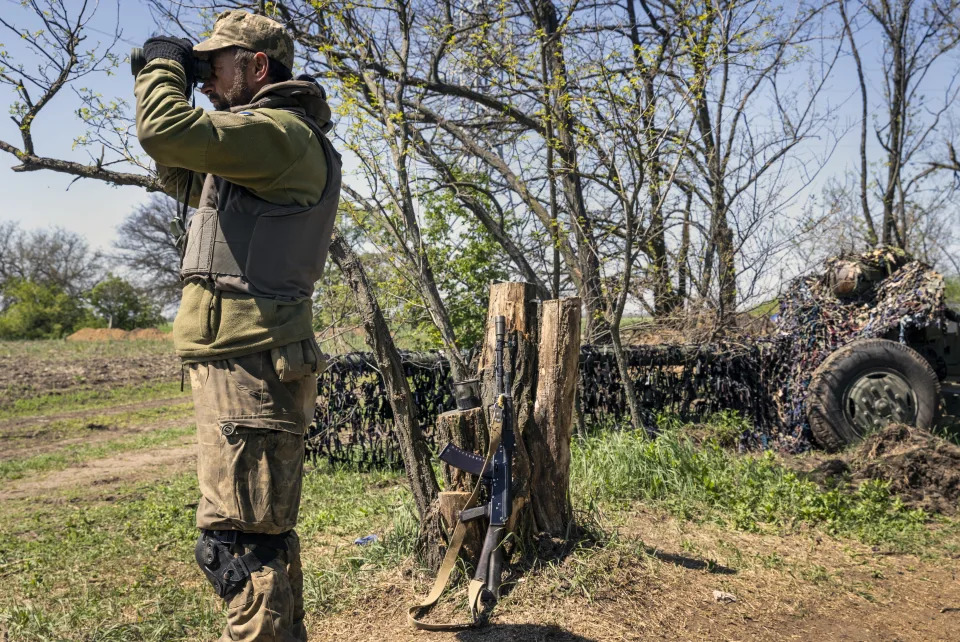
(251, 414)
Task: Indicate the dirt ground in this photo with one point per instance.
(62, 371)
(140, 465)
(923, 470)
(854, 593)
(671, 597)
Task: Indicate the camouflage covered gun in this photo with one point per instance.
(498, 480)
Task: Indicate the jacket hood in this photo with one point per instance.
(305, 95)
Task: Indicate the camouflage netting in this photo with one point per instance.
(355, 423)
(882, 293)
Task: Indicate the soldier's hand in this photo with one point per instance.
(179, 49)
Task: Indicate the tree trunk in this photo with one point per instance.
(517, 303)
(467, 430)
(548, 440)
(545, 15)
(413, 448)
(452, 503)
(864, 120)
(726, 270)
(546, 361)
(684, 252)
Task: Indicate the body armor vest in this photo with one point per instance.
(242, 243)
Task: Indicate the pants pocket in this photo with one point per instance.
(260, 475)
(297, 360)
(250, 429)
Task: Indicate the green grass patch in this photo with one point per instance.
(50, 430)
(120, 567)
(47, 462)
(57, 402)
(123, 569)
(107, 571)
(748, 492)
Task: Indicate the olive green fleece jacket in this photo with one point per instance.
(270, 152)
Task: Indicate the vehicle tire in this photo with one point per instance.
(866, 385)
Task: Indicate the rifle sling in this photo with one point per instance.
(450, 560)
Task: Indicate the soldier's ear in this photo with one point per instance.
(261, 67)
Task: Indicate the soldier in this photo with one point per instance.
(267, 188)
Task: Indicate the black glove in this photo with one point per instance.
(179, 49)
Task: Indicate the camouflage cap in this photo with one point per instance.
(236, 28)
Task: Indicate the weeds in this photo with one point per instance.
(747, 492)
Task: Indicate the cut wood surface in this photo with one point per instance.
(467, 430)
(553, 412)
(451, 503)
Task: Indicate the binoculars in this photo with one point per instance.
(201, 68)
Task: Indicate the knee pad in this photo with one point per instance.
(229, 572)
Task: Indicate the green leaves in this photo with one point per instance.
(38, 311)
(121, 305)
(465, 260)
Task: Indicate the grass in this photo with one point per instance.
(122, 569)
(60, 459)
(92, 564)
(746, 492)
(56, 428)
(55, 403)
(111, 570)
(34, 352)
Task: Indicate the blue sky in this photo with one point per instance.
(41, 199)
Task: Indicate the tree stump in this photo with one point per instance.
(451, 503)
(543, 363)
(553, 412)
(465, 429)
(518, 303)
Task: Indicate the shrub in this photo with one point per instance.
(38, 311)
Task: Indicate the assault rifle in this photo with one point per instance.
(496, 481)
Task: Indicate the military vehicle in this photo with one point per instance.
(906, 369)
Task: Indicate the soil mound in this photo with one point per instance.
(923, 469)
(98, 334)
(151, 334)
(116, 334)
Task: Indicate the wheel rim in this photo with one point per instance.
(876, 398)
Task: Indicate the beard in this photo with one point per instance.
(240, 92)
